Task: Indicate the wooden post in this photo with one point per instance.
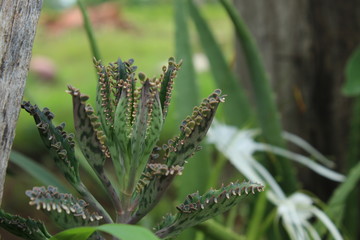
(18, 20)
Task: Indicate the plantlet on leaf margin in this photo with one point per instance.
(124, 129)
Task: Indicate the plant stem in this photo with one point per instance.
(257, 218)
(89, 30)
(217, 171)
(85, 193)
(216, 231)
(110, 190)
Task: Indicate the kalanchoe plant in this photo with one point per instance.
(124, 130)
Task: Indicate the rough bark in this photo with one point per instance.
(18, 20)
(305, 45)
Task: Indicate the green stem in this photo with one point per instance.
(257, 218)
(230, 220)
(216, 231)
(110, 190)
(267, 113)
(217, 171)
(85, 193)
(89, 30)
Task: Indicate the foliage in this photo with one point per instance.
(124, 131)
(295, 212)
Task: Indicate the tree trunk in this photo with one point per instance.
(305, 45)
(18, 20)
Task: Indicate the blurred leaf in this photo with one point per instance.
(37, 171)
(216, 231)
(257, 218)
(187, 90)
(336, 206)
(352, 158)
(123, 231)
(90, 33)
(186, 93)
(26, 228)
(267, 113)
(352, 74)
(237, 109)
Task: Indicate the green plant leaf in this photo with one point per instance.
(59, 143)
(196, 208)
(37, 171)
(92, 141)
(167, 82)
(237, 109)
(63, 208)
(157, 177)
(186, 96)
(267, 113)
(26, 228)
(89, 31)
(193, 130)
(336, 205)
(88, 131)
(352, 74)
(122, 231)
(154, 182)
(186, 91)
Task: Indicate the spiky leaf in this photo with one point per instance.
(147, 126)
(64, 209)
(88, 130)
(103, 97)
(196, 208)
(155, 179)
(60, 144)
(167, 82)
(26, 228)
(193, 131)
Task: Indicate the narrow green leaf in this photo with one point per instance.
(352, 74)
(122, 231)
(138, 136)
(59, 143)
(186, 91)
(336, 205)
(196, 208)
(186, 97)
(167, 82)
(267, 113)
(352, 211)
(26, 228)
(216, 231)
(237, 109)
(89, 31)
(37, 171)
(257, 218)
(104, 103)
(88, 130)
